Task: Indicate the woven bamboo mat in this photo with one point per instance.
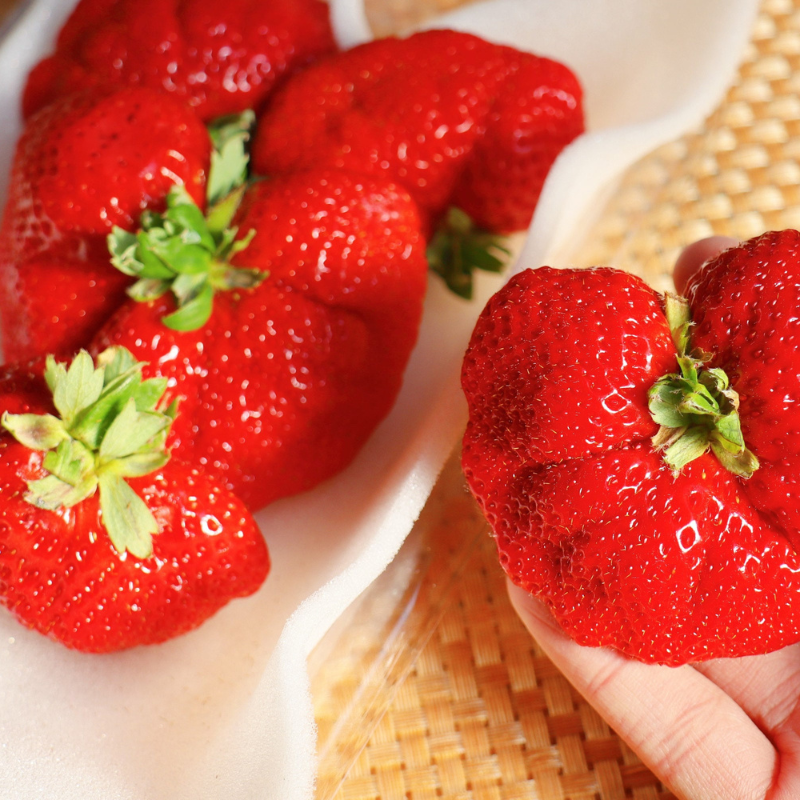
(432, 688)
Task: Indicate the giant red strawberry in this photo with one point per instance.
(82, 166)
(637, 468)
(287, 344)
(218, 58)
(105, 542)
(456, 120)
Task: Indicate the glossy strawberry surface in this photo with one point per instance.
(664, 567)
(61, 575)
(218, 58)
(82, 166)
(454, 119)
(285, 382)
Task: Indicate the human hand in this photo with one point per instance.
(727, 729)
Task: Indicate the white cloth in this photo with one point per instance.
(225, 712)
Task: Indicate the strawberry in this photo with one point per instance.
(219, 58)
(106, 543)
(81, 167)
(634, 454)
(287, 344)
(454, 119)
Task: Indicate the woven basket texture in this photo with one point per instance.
(432, 688)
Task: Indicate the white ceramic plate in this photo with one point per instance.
(225, 712)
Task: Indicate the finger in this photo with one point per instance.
(768, 689)
(695, 255)
(683, 726)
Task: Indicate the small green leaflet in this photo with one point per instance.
(113, 426)
(126, 513)
(697, 410)
(458, 248)
(229, 158)
(178, 252)
(186, 253)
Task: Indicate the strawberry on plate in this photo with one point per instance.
(218, 58)
(105, 542)
(456, 120)
(82, 166)
(635, 457)
(287, 344)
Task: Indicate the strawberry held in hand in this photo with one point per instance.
(105, 542)
(82, 166)
(218, 58)
(639, 474)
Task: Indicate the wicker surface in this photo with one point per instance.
(477, 711)
(473, 709)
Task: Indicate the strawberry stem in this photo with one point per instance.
(458, 248)
(112, 425)
(697, 409)
(182, 250)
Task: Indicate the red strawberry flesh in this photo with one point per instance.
(217, 58)
(442, 113)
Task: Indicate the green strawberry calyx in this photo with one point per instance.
(112, 425)
(459, 247)
(697, 409)
(186, 252)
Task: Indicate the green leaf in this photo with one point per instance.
(729, 428)
(742, 464)
(229, 158)
(78, 388)
(139, 464)
(51, 493)
(123, 247)
(458, 248)
(152, 266)
(699, 402)
(239, 278)
(71, 462)
(715, 379)
(183, 258)
(147, 289)
(120, 433)
(234, 246)
(36, 431)
(152, 219)
(676, 309)
(689, 371)
(691, 445)
(194, 314)
(185, 252)
(130, 431)
(149, 393)
(697, 409)
(663, 404)
(187, 287)
(115, 361)
(54, 373)
(129, 522)
(191, 221)
(91, 425)
(221, 213)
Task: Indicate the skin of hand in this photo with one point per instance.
(727, 729)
